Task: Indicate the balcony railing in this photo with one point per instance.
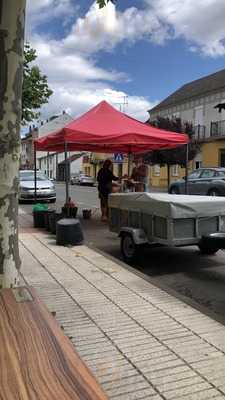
(217, 128)
(199, 132)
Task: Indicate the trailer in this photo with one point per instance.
(142, 219)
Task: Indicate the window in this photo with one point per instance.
(198, 116)
(176, 114)
(175, 170)
(29, 176)
(222, 158)
(220, 173)
(195, 174)
(86, 159)
(208, 173)
(87, 171)
(156, 170)
(198, 164)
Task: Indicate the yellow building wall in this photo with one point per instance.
(88, 169)
(98, 158)
(159, 179)
(211, 153)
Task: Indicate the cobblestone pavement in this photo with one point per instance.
(139, 341)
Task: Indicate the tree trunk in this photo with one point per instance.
(168, 175)
(12, 15)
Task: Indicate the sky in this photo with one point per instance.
(136, 52)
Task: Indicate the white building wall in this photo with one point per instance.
(76, 166)
(190, 111)
(50, 168)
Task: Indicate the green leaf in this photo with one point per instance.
(36, 91)
(102, 3)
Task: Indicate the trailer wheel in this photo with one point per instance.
(129, 249)
(208, 250)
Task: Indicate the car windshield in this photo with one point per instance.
(29, 176)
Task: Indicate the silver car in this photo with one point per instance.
(202, 181)
(45, 187)
(85, 180)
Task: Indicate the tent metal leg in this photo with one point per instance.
(186, 170)
(129, 163)
(66, 177)
(35, 173)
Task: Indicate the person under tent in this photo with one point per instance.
(139, 176)
(105, 179)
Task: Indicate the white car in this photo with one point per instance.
(45, 187)
(85, 180)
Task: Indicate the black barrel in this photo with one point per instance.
(69, 232)
(47, 216)
(39, 218)
(53, 218)
(70, 212)
(87, 214)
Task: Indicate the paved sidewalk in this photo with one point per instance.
(139, 341)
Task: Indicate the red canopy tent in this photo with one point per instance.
(104, 129)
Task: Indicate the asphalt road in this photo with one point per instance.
(199, 279)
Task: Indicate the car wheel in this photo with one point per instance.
(174, 190)
(213, 192)
(208, 250)
(129, 249)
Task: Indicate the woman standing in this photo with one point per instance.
(105, 178)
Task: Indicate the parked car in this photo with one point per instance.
(202, 181)
(83, 179)
(74, 179)
(45, 187)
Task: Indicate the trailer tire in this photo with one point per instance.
(129, 249)
(208, 250)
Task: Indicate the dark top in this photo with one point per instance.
(105, 178)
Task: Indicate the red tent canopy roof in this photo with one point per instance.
(105, 129)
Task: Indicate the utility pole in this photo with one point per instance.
(123, 103)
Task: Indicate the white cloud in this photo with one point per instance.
(40, 11)
(61, 68)
(105, 28)
(78, 100)
(73, 74)
(79, 84)
(200, 22)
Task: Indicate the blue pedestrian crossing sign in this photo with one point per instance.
(118, 158)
